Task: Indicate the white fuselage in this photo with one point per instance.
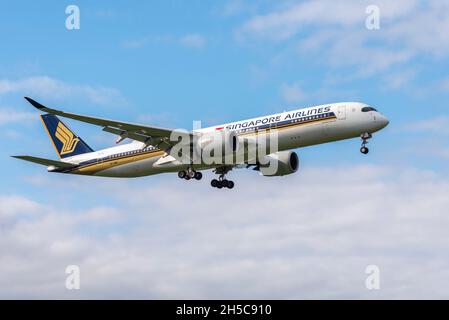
(295, 129)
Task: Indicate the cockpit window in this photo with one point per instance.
(366, 109)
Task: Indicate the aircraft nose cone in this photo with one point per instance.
(384, 121)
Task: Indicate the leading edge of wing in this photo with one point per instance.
(125, 126)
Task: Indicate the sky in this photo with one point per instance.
(166, 63)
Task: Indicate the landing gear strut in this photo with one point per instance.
(365, 136)
(190, 174)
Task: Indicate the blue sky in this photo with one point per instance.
(170, 62)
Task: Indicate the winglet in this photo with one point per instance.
(36, 104)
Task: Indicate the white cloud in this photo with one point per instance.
(311, 238)
(334, 32)
(292, 93)
(9, 115)
(44, 86)
(430, 148)
(193, 40)
(437, 125)
(288, 21)
(11, 206)
(396, 80)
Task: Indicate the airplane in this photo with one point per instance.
(151, 150)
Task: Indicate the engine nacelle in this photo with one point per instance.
(279, 164)
(218, 147)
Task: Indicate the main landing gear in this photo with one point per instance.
(365, 136)
(222, 182)
(219, 183)
(190, 174)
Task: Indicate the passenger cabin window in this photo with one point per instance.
(366, 109)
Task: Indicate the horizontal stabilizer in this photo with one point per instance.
(45, 162)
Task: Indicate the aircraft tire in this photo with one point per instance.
(191, 174)
(224, 183)
(182, 174)
(198, 175)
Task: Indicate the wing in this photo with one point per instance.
(45, 162)
(149, 135)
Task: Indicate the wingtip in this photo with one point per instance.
(35, 103)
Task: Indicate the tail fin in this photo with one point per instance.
(65, 141)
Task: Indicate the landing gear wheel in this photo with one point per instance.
(230, 184)
(191, 174)
(198, 175)
(219, 184)
(364, 150)
(182, 174)
(213, 183)
(187, 177)
(224, 183)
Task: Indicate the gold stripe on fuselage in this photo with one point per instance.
(113, 162)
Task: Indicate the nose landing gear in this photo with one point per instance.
(365, 137)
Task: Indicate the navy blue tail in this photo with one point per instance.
(65, 141)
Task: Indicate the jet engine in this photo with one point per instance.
(279, 164)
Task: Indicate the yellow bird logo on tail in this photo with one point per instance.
(67, 138)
